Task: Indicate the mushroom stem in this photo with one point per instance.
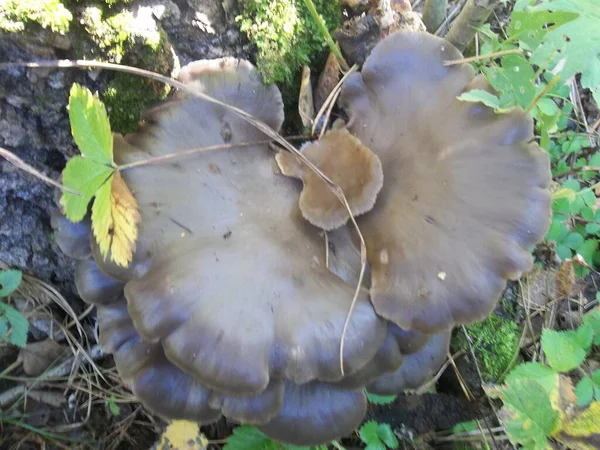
(474, 14)
(434, 13)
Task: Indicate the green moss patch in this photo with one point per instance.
(495, 341)
(16, 14)
(285, 35)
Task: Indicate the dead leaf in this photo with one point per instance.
(565, 279)
(328, 79)
(38, 356)
(182, 435)
(306, 108)
(581, 431)
(115, 215)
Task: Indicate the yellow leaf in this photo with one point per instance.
(581, 431)
(306, 107)
(115, 217)
(182, 435)
(567, 193)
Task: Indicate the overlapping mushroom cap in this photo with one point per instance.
(229, 307)
(465, 192)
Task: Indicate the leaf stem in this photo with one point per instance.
(512, 51)
(543, 92)
(321, 24)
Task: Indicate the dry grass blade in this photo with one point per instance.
(331, 98)
(20, 164)
(244, 115)
(471, 59)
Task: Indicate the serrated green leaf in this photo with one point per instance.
(380, 399)
(527, 413)
(19, 326)
(368, 432)
(573, 241)
(588, 249)
(248, 437)
(592, 228)
(387, 436)
(480, 96)
(593, 319)
(9, 281)
(546, 376)
(594, 160)
(589, 197)
(574, 44)
(84, 176)
(562, 351)
(584, 391)
(90, 126)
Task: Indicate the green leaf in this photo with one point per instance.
(479, 95)
(387, 436)
(563, 352)
(546, 376)
(380, 399)
(248, 437)
(9, 281)
(587, 250)
(527, 413)
(90, 125)
(19, 326)
(531, 27)
(368, 432)
(589, 197)
(112, 405)
(573, 241)
(593, 319)
(585, 391)
(575, 44)
(84, 176)
(514, 80)
(564, 252)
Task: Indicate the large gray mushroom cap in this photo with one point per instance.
(466, 191)
(228, 306)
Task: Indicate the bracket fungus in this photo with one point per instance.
(230, 306)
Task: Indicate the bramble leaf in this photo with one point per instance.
(563, 351)
(115, 217)
(19, 326)
(9, 281)
(90, 126)
(479, 95)
(544, 375)
(86, 177)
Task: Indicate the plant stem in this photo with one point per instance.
(321, 24)
(434, 13)
(543, 92)
(480, 57)
(474, 14)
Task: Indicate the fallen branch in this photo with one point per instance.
(473, 15)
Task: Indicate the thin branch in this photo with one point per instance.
(471, 59)
(474, 14)
(20, 164)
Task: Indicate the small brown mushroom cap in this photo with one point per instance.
(416, 369)
(466, 192)
(346, 162)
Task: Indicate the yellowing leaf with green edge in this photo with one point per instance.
(115, 215)
(86, 177)
(182, 435)
(567, 193)
(90, 125)
(582, 430)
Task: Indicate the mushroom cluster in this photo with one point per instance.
(230, 306)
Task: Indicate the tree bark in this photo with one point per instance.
(434, 13)
(474, 14)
